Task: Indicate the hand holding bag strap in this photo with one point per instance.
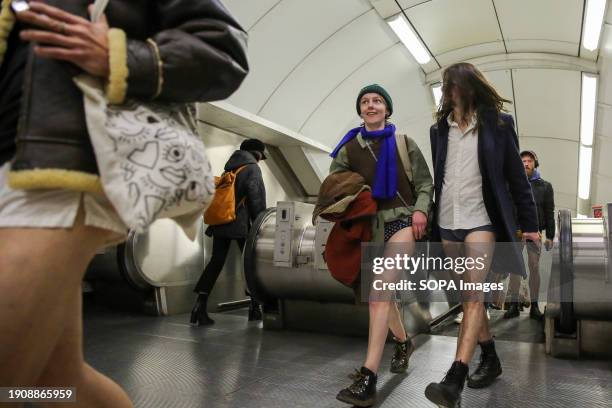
(98, 9)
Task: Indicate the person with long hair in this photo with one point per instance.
(478, 177)
(402, 209)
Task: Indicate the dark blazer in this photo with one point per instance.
(504, 183)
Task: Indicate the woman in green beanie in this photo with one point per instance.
(403, 203)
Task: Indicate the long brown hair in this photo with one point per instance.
(477, 94)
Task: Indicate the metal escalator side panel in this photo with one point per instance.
(128, 267)
(567, 319)
(163, 256)
(249, 257)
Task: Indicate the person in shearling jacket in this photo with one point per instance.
(53, 214)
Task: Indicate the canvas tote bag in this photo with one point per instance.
(151, 159)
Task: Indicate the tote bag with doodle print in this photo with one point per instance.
(151, 160)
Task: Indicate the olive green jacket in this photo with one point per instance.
(421, 181)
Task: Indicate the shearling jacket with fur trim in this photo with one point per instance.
(197, 54)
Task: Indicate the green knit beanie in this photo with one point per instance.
(375, 88)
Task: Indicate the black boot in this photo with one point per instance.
(488, 369)
(448, 392)
(513, 311)
(403, 350)
(199, 316)
(254, 311)
(362, 392)
(534, 312)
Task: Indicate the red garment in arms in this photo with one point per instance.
(353, 226)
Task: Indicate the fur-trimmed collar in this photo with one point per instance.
(7, 21)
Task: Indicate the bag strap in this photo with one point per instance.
(235, 172)
(397, 192)
(98, 9)
(239, 170)
(402, 141)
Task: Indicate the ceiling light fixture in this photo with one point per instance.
(592, 23)
(588, 103)
(409, 38)
(584, 172)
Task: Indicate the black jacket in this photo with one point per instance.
(203, 50)
(545, 202)
(249, 185)
(503, 182)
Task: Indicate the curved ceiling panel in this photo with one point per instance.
(446, 25)
(298, 96)
(502, 81)
(248, 13)
(604, 120)
(547, 46)
(548, 103)
(289, 32)
(549, 26)
(473, 51)
(395, 71)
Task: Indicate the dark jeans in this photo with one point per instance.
(220, 249)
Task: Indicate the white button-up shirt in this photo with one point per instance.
(462, 205)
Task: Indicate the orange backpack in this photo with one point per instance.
(222, 209)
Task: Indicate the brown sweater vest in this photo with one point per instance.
(361, 161)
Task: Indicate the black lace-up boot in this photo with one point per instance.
(513, 311)
(362, 392)
(488, 369)
(534, 312)
(448, 392)
(199, 315)
(403, 350)
(254, 311)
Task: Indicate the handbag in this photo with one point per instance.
(151, 159)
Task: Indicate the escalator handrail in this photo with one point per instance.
(249, 258)
(567, 318)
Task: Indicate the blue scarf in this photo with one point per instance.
(535, 175)
(385, 180)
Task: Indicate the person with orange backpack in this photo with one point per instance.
(240, 196)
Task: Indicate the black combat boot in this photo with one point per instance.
(488, 369)
(362, 392)
(403, 350)
(254, 311)
(199, 316)
(448, 392)
(513, 311)
(534, 312)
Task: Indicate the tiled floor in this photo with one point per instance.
(163, 362)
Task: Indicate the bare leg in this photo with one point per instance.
(40, 273)
(513, 287)
(396, 323)
(533, 258)
(67, 368)
(497, 298)
(379, 316)
(475, 326)
(380, 310)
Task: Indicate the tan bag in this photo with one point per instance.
(222, 209)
